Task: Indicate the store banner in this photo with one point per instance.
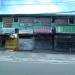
(65, 29)
(28, 31)
(8, 30)
(43, 30)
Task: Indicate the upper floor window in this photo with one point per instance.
(0, 19)
(71, 20)
(53, 20)
(15, 19)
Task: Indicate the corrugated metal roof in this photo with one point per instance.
(42, 14)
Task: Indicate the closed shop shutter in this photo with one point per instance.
(26, 44)
(43, 42)
(64, 42)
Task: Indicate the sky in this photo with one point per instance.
(36, 6)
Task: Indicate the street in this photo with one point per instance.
(31, 63)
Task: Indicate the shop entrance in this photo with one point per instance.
(43, 42)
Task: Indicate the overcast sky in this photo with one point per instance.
(35, 6)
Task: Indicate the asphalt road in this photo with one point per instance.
(29, 63)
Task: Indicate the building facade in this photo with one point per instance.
(45, 31)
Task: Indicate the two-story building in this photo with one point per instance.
(41, 31)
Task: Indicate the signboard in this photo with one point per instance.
(43, 30)
(65, 29)
(29, 31)
(8, 30)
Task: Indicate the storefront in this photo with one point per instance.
(64, 39)
(9, 38)
(26, 40)
(43, 38)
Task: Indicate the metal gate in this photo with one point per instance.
(43, 42)
(64, 42)
(26, 43)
